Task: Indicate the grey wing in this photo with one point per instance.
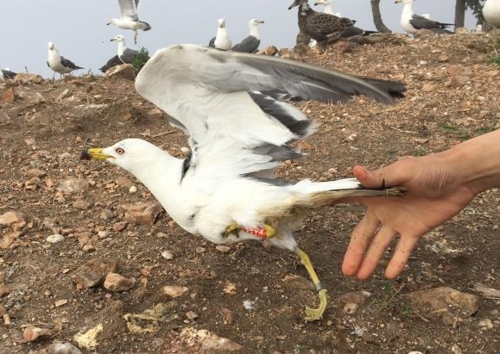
(248, 45)
(420, 22)
(128, 55)
(69, 64)
(128, 8)
(212, 42)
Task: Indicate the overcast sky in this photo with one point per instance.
(78, 28)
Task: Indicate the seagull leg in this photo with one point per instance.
(317, 313)
(135, 36)
(267, 231)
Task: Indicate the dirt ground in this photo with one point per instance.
(239, 292)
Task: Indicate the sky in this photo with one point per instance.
(78, 28)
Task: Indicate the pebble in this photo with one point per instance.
(223, 248)
(93, 272)
(32, 333)
(174, 291)
(73, 185)
(168, 255)
(117, 282)
(297, 282)
(120, 226)
(132, 189)
(190, 315)
(4, 290)
(62, 348)
(485, 324)
(55, 238)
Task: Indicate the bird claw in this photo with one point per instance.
(231, 229)
(317, 314)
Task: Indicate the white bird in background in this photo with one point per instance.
(129, 18)
(221, 39)
(239, 134)
(491, 12)
(58, 63)
(251, 43)
(412, 22)
(125, 54)
(329, 7)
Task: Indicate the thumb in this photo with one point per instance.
(369, 179)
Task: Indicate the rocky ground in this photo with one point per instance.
(90, 263)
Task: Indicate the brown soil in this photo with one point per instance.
(439, 111)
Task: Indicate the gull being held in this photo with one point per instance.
(129, 18)
(239, 131)
(251, 43)
(58, 63)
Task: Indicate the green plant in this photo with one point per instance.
(494, 59)
(141, 59)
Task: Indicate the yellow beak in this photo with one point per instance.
(94, 154)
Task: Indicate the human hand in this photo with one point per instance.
(435, 194)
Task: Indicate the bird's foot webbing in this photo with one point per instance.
(265, 232)
(311, 313)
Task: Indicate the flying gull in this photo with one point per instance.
(58, 63)
(125, 54)
(239, 134)
(329, 7)
(114, 61)
(411, 22)
(7, 74)
(491, 12)
(251, 43)
(129, 18)
(221, 39)
(321, 27)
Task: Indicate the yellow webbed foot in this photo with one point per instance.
(317, 314)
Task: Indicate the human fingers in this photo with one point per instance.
(360, 239)
(401, 255)
(375, 251)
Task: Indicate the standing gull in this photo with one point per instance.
(329, 7)
(251, 43)
(129, 18)
(321, 27)
(221, 39)
(58, 63)
(411, 22)
(125, 54)
(491, 12)
(7, 74)
(239, 134)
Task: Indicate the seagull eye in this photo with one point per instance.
(120, 151)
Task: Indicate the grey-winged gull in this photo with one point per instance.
(58, 63)
(491, 12)
(129, 18)
(250, 44)
(239, 134)
(7, 74)
(321, 27)
(412, 22)
(221, 39)
(112, 62)
(125, 54)
(329, 7)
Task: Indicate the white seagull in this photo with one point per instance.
(491, 12)
(251, 43)
(329, 7)
(412, 22)
(221, 39)
(239, 133)
(125, 54)
(129, 19)
(58, 63)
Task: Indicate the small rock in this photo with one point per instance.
(60, 303)
(4, 118)
(73, 185)
(63, 95)
(125, 71)
(55, 238)
(428, 87)
(81, 204)
(93, 272)
(455, 349)
(442, 58)
(200, 250)
(120, 226)
(350, 308)
(34, 172)
(14, 219)
(32, 184)
(141, 213)
(9, 95)
(297, 282)
(32, 333)
(156, 113)
(204, 341)
(4, 290)
(228, 315)
(168, 255)
(124, 182)
(107, 214)
(62, 348)
(355, 297)
(485, 324)
(117, 282)
(174, 291)
(223, 248)
(190, 315)
(132, 189)
(459, 81)
(270, 50)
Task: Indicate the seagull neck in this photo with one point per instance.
(254, 31)
(221, 32)
(330, 8)
(121, 47)
(408, 9)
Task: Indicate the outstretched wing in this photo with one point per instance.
(228, 103)
(128, 8)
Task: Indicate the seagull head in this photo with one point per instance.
(403, 2)
(255, 22)
(118, 38)
(112, 21)
(51, 46)
(133, 155)
(322, 2)
(297, 3)
(221, 23)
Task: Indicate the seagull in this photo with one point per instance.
(239, 132)
(221, 39)
(7, 74)
(321, 27)
(129, 19)
(491, 12)
(125, 54)
(58, 63)
(251, 43)
(329, 7)
(114, 61)
(411, 22)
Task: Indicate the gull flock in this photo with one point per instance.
(234, 107)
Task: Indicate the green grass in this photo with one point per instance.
(140, 60)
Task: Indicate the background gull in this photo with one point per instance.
(58, 63)
(412, 22)
(125, 54)
(114, 61)
(329, 7)
(221, 39)
(129, 18)
(239, 133)
(7, 74)
(251, 43)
